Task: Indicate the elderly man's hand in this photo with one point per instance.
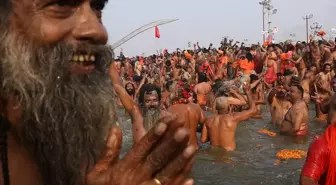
(161, 157)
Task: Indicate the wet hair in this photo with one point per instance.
(253, 78)
(147, 88)
(300, 89)
(202, 77)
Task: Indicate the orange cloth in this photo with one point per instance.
(283, 56)
(266, 44)
(187, 55)
(330, 136)
(270, 75)
(141, 62)
(201, 99)
(246, 66)
(223, 60)
(285, 66)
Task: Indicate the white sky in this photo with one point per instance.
(208, 21)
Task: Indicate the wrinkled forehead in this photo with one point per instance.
(32, 6)
(37, 3)
(151, 94)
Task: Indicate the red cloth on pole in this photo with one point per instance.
(157, 32)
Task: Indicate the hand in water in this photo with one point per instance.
(161, 157)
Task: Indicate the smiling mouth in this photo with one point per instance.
(83, 59)
(82, 63)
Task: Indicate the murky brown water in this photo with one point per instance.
(250, 164)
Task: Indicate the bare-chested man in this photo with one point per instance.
(296, 119)
(316, 54)
(278, 105)
(310, 74)
(221, 127)
(306, 83)
(202, 89)
(258, 94)
(327, 107)
(226, 99)
(191, 115)
(323, 81)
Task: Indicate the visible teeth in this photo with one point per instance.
(87, 58)
(81, 58)
(92, 58)
(75, 58)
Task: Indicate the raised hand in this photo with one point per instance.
(317, 98)
(162, 157)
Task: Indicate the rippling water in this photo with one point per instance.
(253, 161)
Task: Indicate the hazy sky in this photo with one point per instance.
(208, 21)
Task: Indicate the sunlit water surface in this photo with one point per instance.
(253, 161)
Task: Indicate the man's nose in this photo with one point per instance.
(89, 27)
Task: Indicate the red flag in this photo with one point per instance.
(157, 32)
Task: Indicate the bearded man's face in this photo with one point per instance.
(151, 109)
(130, 89)
(53, 61)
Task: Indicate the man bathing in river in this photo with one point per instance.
(323, 82)
(221, 128)
(57, 104)
(296, 119)
(278, 105)
(191, 115)
(202, 89)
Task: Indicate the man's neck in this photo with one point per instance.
(296, 101)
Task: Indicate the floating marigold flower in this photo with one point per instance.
(267, 132)
(291, 154)
(277, 162)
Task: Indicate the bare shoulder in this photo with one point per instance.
(164, 113)
(209, 120)
(178, 108)
(301, 106)
(194, 107)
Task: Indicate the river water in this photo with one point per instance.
(253, 161)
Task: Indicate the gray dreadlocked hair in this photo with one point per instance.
(5, 9)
